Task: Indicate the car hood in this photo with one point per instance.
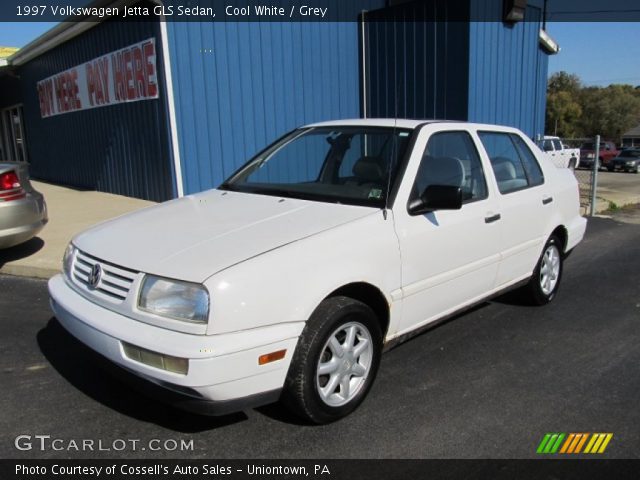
(199, 235)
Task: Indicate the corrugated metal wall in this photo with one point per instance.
(122, 149)
(10, 93)
(417, 68)
(508, 70)
(482, 71)
(239, 86)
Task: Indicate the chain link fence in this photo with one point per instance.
(586, 176)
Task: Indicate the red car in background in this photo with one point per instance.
(608, 152)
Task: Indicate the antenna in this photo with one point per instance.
(394, 144)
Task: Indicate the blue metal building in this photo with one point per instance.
(187, 103)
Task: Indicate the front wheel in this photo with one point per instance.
(335, 362)
(545, 281)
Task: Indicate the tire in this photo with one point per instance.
(545, 281)
(328, 342)
(610, 169)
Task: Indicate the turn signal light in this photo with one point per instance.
(271, 357)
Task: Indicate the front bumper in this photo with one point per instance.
(586, 162)
(223, 373)
(623, 166)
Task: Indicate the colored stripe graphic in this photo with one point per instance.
(550, 443)
(598, 443)
(573, 443)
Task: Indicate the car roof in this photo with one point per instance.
(372, 122)
(400, 123)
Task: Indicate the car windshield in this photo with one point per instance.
(587, 146)
(630, 153)
(340, 164)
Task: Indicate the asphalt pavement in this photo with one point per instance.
(487, 384)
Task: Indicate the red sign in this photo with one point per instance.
(126, 75)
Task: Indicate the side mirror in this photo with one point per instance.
(436, 197)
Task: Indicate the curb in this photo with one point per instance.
(30, 271)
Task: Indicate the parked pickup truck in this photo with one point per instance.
(560, 155)
(608, 152)
(331, 245)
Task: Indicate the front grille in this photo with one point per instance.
(114, 282)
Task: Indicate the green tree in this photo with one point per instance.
(563, 114)
(609, 111)
(564, 82)
(574, 110)
(563, 107)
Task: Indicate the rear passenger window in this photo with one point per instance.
(514, 166)
(531, 166)
(451, 158)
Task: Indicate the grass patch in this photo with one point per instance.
(613, 207)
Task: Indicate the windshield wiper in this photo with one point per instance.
(277, 192)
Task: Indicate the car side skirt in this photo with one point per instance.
(395, 341)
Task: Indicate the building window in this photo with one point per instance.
(12, 141)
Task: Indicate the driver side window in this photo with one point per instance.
(451, 158)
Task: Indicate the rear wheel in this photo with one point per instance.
(335, 362)
(545, 281)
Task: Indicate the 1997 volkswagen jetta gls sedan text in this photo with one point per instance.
(341, 238)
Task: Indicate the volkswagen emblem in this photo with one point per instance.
(94, 275)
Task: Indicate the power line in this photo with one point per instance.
(571, 12)
(619, 79)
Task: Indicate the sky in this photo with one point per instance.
(599, 53)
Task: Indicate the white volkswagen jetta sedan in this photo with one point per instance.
(337, 241)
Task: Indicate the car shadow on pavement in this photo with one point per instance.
(94, 376)
(23, 250)
(276, 411)
(512, 297)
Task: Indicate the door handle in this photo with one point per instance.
(492, 218)
(547, 200)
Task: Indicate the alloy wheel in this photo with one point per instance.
(344, 364)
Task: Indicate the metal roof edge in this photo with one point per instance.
(61, 33)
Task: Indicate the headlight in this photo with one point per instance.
(175, 299)
(67, 260)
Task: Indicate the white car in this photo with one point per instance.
(561, 155)
(340, 239)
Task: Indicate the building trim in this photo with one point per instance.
(363, 27)
(173, 123)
